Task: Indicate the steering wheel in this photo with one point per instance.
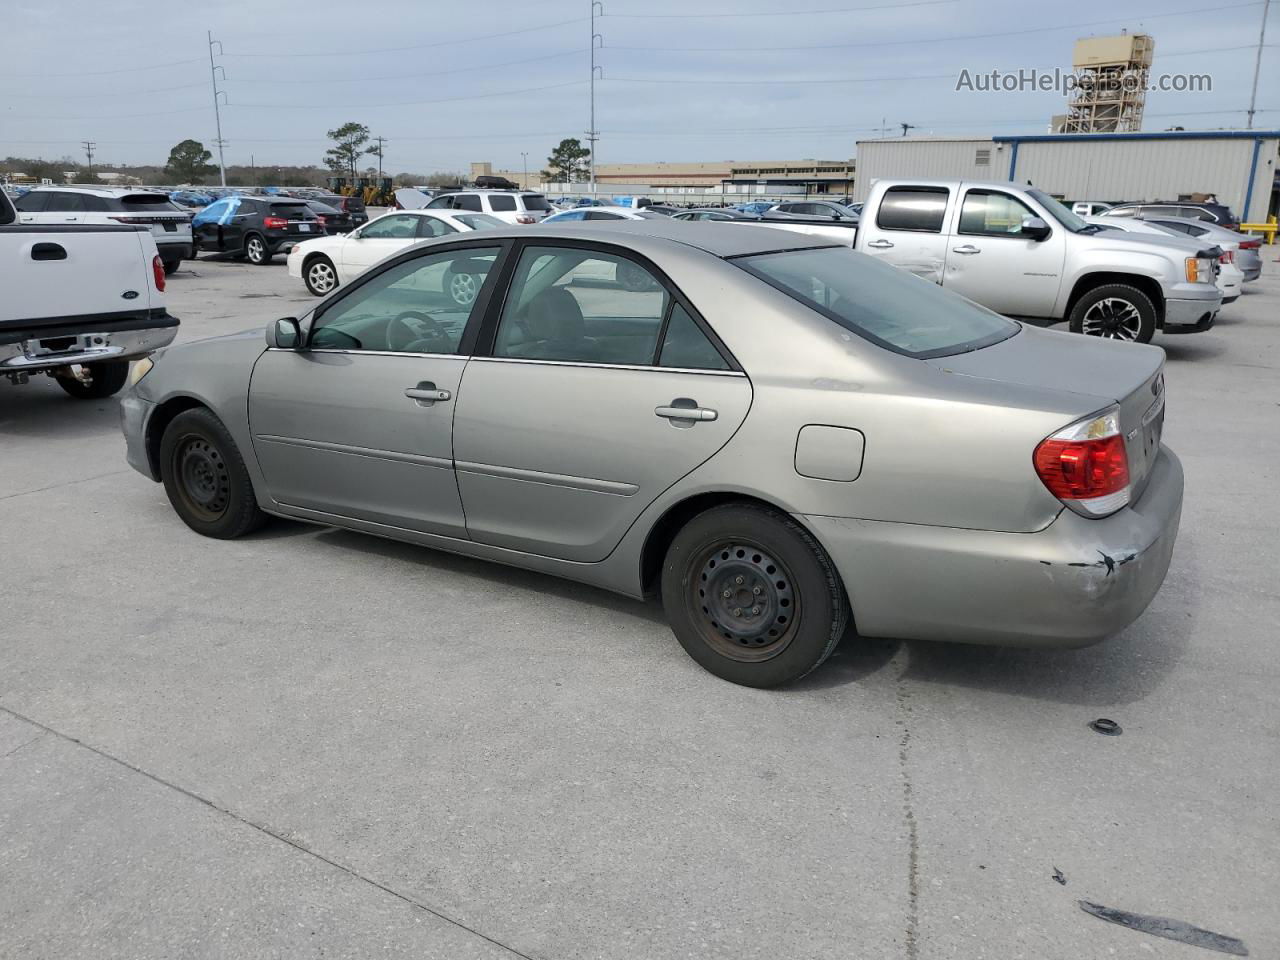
(424, 328)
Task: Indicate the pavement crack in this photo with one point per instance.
(909, 818)
(266, 831)
(24, 743)
(64, 483)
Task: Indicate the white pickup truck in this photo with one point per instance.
(78, 302)
(1019, 251)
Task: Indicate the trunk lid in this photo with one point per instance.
(1128, 374)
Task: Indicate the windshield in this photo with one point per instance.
(886, 305)
(1062, 214)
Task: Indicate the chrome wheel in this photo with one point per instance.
(1113, 318)
(321, 277)
(463, 288)
(744, 602)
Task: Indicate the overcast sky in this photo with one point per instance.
(684, 80)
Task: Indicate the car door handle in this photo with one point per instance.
(880, 244)
(425, 394)
(686, 413)
(968, 250)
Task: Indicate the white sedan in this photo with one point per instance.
(326, 263)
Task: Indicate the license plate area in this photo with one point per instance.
(52, 346)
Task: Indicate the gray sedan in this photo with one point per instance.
(783, 438)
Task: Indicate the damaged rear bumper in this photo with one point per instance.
(1074, 583)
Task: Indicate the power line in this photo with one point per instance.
(275, 55)
(411, 76)
(776, 13)
(405, 103)
(786, 80)
(103, 73)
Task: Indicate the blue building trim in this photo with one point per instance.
(1013, 160)
(1164, 135)
(1253, 170)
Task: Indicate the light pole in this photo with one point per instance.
(1257, 67)
(217, 115)
(524, 182)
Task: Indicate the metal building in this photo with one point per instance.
(1111, 75)
(1239, 167)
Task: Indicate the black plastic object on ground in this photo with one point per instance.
(1108, 728)
(1169, 929)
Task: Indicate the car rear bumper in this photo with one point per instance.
(175, 249)
(1071, 584)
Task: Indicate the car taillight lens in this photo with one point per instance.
(1086, 465)
(525, 218)
(275, 223)
(157, 270)
(1250, 244)
(1228, 256)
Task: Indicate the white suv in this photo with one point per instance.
(511, 206)
(170, 226)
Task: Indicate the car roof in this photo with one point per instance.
(100, 191)
(454, 193)
(720, 239)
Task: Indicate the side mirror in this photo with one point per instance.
(284, 334)
(1035, 228)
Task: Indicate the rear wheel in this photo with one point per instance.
(170, 266)
(205, 477)
(320, 276)
(1115, 311)
(256, 251)
(102, 380)
(751, 596)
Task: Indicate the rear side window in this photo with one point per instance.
(686, 346)
(502, 203)
(913, 208)
(32, 202)
(65, 202)
(881, 303)
(535, 201)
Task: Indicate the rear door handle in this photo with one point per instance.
(686, 413)
(968, 250)
(880, 244)
(425, 394)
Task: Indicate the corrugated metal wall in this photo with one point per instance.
(1115, 170)
(926, 158)
(1102, 169)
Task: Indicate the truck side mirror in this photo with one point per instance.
(1035, 228)
(284, 334)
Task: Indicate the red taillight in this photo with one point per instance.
(1086, 465)
(157, 270)
(1253, 244)
(1228, 256)
(322, 218)
(275, 223)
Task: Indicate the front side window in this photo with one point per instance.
(65, 203)
(397, 226)
(881, 303)
(987, 213)
(420, 305)
(919, 209)
(584, 306)
(32, 202)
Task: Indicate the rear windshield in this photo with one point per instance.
(156, 202)
(355, 203)
(886, 305)
(479, 221)
(535, 201)
(292, 211)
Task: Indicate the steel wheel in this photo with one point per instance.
(1113, 318)
(321, 278)
(747, 606)
(463, 288)
(203, 479)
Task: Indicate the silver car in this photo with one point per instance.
(1245, 251)
(782, 437)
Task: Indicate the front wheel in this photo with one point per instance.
(205, 477)
(255, 250)
(751, 596)
(103, 380)
(320, 276)
(1115, 311)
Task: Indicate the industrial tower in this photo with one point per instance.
(1112, 76)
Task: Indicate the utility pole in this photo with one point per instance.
(381, 141)
(1257, 65)
(592, 134)
(88, 149)
(906, 126)
(217, 116)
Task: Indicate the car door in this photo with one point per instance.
(991, 262)
(907, 229)
(62, 208)
(360, 423)
(377, 239)
(594, 397)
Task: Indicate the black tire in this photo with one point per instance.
(256, 250)
(799, 610)
(325, 279)
(1115, 311)
(205, 477)
(170, 266)
(105, 379)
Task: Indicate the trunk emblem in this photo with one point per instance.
(130, 294)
